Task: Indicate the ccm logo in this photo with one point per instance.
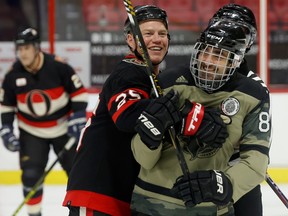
(149, 125)
(219, 180)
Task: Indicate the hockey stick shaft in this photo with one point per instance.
(34, 189)
(277, 190)
(150, 71)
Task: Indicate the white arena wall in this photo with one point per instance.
(278, 168)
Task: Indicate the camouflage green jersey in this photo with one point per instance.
(247, 102)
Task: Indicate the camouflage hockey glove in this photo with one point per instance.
(204, 186)
(157, 117)
(9, 139)
(205, 124)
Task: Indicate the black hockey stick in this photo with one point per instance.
(277, 190)
(158, 92)
(66, 148)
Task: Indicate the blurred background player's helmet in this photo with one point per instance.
(222, 41)
(27, 36)
(238, 13)
(147, 12)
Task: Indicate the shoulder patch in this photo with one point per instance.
(21, 82)
(230, 106)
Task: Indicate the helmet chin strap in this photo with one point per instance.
(137, 54)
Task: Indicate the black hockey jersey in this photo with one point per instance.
(42, 101)
(104, 171)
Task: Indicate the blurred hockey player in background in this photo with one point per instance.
(49, 101)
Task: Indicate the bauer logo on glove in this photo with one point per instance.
(149, 125)
(159, 115)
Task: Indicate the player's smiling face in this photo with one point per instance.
(26, 54)
(212, 63)
(212, 66)
(155, 36)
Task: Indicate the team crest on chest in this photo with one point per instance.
(230, 106)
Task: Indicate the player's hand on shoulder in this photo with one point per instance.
(205, 123)
(160, 114)
(203, 186)
(9, 139)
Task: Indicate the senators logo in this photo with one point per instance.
(38, 102)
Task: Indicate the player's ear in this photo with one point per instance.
(130, 41)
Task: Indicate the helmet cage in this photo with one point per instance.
(212, 66)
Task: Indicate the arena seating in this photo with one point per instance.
(183, 15)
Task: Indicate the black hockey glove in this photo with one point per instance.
(160, 114)
(76, 123)
(204, 186)
(9, 139)
(205, 123)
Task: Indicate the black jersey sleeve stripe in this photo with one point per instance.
(262, 149)
(235, 156)
(154, 188)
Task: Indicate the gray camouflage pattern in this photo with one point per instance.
(153, 207)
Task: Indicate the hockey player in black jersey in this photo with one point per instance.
(213, 81)
(104, 171)
(49, 100)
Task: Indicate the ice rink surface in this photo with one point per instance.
(11, 198)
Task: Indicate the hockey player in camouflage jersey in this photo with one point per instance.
(251, 203)
(213, 81)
